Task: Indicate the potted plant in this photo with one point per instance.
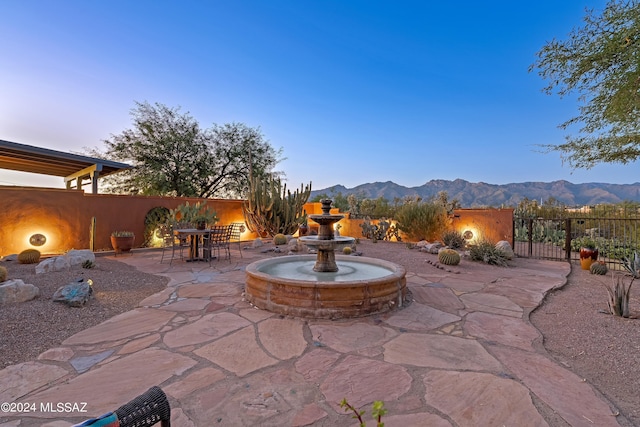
(122, 241)
(588, 252)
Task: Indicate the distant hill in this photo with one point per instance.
(478, 194)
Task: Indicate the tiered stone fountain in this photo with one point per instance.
(325, 286)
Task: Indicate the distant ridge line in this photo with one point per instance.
(481, 194)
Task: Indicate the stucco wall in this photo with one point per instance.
(64, 217)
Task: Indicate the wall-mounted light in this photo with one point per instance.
(468, 235)
(37, 239)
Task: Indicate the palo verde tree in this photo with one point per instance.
(172, 155)
(600, 62)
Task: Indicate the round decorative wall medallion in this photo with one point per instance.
(37, 239)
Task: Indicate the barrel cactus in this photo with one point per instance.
(3, 274)
(448, 257)
(347, 250)
(29, 256)
(279, 239)
(598, 268)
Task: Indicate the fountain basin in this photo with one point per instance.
(362, 286)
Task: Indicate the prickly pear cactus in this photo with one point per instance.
(448, 257)
(279, 239)
(29, 256)
(597, 268)
(3, 274)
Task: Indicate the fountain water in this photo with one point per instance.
(325, 286)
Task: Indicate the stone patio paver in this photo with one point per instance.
(462, 351)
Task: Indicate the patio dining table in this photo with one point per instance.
(195, 236)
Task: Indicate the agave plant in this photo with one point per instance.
(632, 265)
(618, 291)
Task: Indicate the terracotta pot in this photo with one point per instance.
(587, 257)
(122, 244)
(303, 230)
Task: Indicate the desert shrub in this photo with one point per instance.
(3, 274)
(29, 256)
(487, 252)
(421, 220)
(453, 239)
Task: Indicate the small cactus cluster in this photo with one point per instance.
(448, 257)
(598, 268)
(3, 274)
(279, 239)
(347, 250)
(29, 256)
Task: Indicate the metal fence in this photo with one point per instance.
(559, 235)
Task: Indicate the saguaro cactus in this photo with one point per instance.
(271, 209)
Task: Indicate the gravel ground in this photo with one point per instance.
(577, 331)
(29, 328)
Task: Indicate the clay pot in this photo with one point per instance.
(122, 243)
(587, 257)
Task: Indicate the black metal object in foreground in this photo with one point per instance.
(146, 410)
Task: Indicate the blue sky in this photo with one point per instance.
(352, 91)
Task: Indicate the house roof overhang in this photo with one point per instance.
(28, 158)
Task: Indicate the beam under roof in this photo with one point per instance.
(27, 158)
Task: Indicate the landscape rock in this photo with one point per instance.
(505, 247)
(66, 261)
(293, 245)
(75, 294)
(257, 243)
(58, 263)
(80, 256)
(432, 248)
(15, 290)
(11, 257)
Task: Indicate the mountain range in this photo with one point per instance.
(481, 194)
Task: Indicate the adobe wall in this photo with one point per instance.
(490, 224)
(64, 217)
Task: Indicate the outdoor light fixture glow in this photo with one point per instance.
(468, 235)
(37, 239)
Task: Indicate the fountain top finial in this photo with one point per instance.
(326, 206)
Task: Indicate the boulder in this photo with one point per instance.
(432, 248)
(79, 256)
(505, 247)
(75, 294)
(293, 245)
(66, 261)
(58, 263)
(15, 290)
(257, 243)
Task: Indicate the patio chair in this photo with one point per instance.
(173, 242)
(218, 240)
(147, 409)
(236, 233)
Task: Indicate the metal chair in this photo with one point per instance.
(236, 233)
(218, 240)
(172, 241)
(147, 409)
